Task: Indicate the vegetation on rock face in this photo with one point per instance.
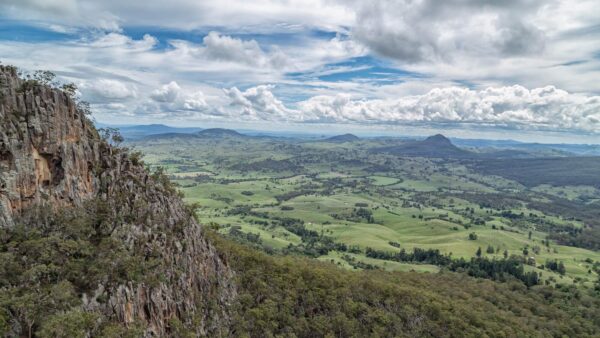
(48, 261)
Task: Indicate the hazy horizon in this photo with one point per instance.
(400, 132)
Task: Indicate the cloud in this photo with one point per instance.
(269, 15)
(74, 13)
(61, 7)
(396, 61)
(195, 101)
(108, 90)
(171, 97)
(225, 48)
(416, 31)
(512, 107)
(113, 39)
(515, 107)
(259, 103)
(167, 93)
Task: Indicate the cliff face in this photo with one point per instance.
(51, 155)
(47, 148)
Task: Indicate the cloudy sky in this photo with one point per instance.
(521, 69)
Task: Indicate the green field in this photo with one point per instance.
(249, 188)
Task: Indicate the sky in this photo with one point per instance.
(508, 69)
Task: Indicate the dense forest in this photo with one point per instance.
(283, 295)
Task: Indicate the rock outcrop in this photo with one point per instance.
(51, 155)
(47, 148)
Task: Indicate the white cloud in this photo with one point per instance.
(194, 101)
(513, 107)
(167, 93)
(259, 103)
(113, 39)
(108, 90)
(171, 97)
(225, 48)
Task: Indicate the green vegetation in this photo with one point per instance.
(333, 200)
(280, 296)
(559, 171)
(47, 261)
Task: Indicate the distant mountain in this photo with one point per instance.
(203, 134)
(219, 132)
(343, 138)
(433, 146)
(167, 136)
(546, 149)
(141, 131)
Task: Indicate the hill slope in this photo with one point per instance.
(433, 146)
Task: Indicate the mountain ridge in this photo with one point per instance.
(53, 163)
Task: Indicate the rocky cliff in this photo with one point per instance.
(47, 148)
(52, 157)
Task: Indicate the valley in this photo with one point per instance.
(347, 200)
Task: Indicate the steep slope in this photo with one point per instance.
(47, 148)
(53, 162)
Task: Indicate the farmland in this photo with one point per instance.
(334, 201)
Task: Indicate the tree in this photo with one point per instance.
(505, 254)
(478, 253)
(490, 249)
(529, 235)
(561, 268)
(70, 89)
(111, 135)
(44, 77)
(84, 107)
(74, 323)
(472, 236)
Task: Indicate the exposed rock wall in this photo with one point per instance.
(51, 154)
(47, 148)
